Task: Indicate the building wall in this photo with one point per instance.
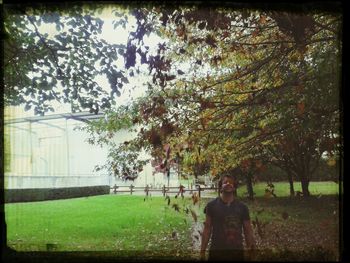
(52, 153)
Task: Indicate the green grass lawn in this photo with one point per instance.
(282, 188)
(124, 223)
(100, 223)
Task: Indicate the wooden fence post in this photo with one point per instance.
(163, 190)
(199, 191)
(131, 187)
(147, 190)
(115, 187)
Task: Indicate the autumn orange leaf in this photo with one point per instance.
(262, 19)
(195, 198)
(255, 32)
(301, 107)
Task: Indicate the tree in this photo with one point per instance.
(227, 83)
(55, 53)
(270, 86)
(123, 160)
(259, 91)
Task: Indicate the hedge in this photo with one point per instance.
(41, 194)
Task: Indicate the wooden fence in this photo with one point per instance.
(164, 190)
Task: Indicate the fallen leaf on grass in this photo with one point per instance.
(260, 211)
(174, 234)
(285, 215)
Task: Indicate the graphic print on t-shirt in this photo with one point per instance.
(231, 229)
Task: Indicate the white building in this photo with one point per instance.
(47, 152)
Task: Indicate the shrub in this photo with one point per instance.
(40, 194)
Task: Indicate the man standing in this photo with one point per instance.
(226, 219)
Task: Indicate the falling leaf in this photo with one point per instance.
(180, 31)
(201, 25)
(255, 32)
(195, 198)
(194, 215)
(168, 198)
(176, 207)
(155, 138)
(210, 40)
(225, 35)
(301, 107)
(262, 19)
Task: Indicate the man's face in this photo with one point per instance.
(227, 184)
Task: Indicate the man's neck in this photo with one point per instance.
(227, 197)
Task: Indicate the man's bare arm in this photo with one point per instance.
(250, 242)
(248, 233)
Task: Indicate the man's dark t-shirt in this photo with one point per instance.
(227, 222)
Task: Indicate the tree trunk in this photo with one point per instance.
(250, 186)
(219, 190)
(291, 184)
(305, 186)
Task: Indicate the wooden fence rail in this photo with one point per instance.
(164, 190)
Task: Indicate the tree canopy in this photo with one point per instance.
(229, 86)
(42, 65)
